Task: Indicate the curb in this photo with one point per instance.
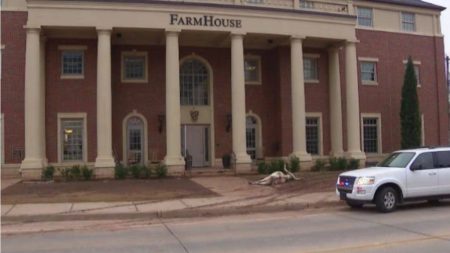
(184, 213)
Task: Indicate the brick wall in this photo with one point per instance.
(13, 37)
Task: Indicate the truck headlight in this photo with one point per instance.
(365, 181)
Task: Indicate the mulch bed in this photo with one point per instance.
(104, 191)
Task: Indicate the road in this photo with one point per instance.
(420, 228)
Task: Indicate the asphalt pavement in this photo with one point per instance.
(412, 229)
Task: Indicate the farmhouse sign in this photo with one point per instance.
(206, 20)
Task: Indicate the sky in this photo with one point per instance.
(445, 21)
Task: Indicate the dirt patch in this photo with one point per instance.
(104, 191)
(310, 182)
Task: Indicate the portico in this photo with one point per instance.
(226, 87)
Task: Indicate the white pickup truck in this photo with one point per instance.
(406, 175)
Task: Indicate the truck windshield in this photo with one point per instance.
(397, 160)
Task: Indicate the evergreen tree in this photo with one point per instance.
(409, 112)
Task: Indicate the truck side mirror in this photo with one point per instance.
(415, 167)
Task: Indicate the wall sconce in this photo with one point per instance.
(161, 119)
(229, 121)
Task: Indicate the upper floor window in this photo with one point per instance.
(408, 21)
(194, 81)
(365, 16)
(306, 4)
(134, 67)
(252, 69)
(416, 70)
(72, 63)
(369, 72)
(310, 69)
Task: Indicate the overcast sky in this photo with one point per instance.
(445, 21)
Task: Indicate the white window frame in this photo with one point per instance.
(125, 136)
(73, 48)
(368, 60)
(259, 74)
(417, 64)
(379, 132)
(78, 115)
(402, 21)
(316, 58)
(258, 136)
(319, 116)
(371, 17)
(134, 54)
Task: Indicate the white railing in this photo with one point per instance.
(330, 6)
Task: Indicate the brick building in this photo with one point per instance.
(140, 81)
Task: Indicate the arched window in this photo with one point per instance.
(194, 79)
(135, 141)
(251, 136)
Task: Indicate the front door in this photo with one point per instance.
(423, 181)
(195, 140)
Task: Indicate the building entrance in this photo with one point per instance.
(195, 142)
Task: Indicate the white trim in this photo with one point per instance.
(122, 66)
(2, 46)
(379, 130)
(72, 76)
(212, 132)
(258, 59)
(259, 137)
(125, 137)
(319, 116)
(2, 136)
(368, 59)
(414, 62)
(72, 47)
(79, 115)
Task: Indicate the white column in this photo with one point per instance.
(34, 106)
(105, 161)
(238, 99)
(337, 149)
(173, 119)
(352, 103)
(298, 101)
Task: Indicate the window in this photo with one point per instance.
(424, 162)
(252, 66)
(251, 127)
(371, 134)
(72, 139)
(365, 17)
(194, 81)
(72, 63)
(416, 70)
(134, 67)
(254, 1)
(408, 21)
(369, 72)
(313, 135)
(135, 141)
(305, 4)
(443, 159)
(310, 69)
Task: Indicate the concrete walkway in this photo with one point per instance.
(236, 197)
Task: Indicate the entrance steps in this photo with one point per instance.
(209, 172)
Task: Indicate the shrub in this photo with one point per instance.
(294, 164)
(262, 168)
(342, 163)
(146, 172)
(120, 171)
(75, 172)
(353, 164)
(87, 173)
(161, 171)
(319, 165)
(65, 173)
(333, 161)
(48, 173)
(275, 165)
(135, 171)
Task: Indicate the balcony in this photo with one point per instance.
(329, 6)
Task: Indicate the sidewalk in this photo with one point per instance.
(235, 196)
